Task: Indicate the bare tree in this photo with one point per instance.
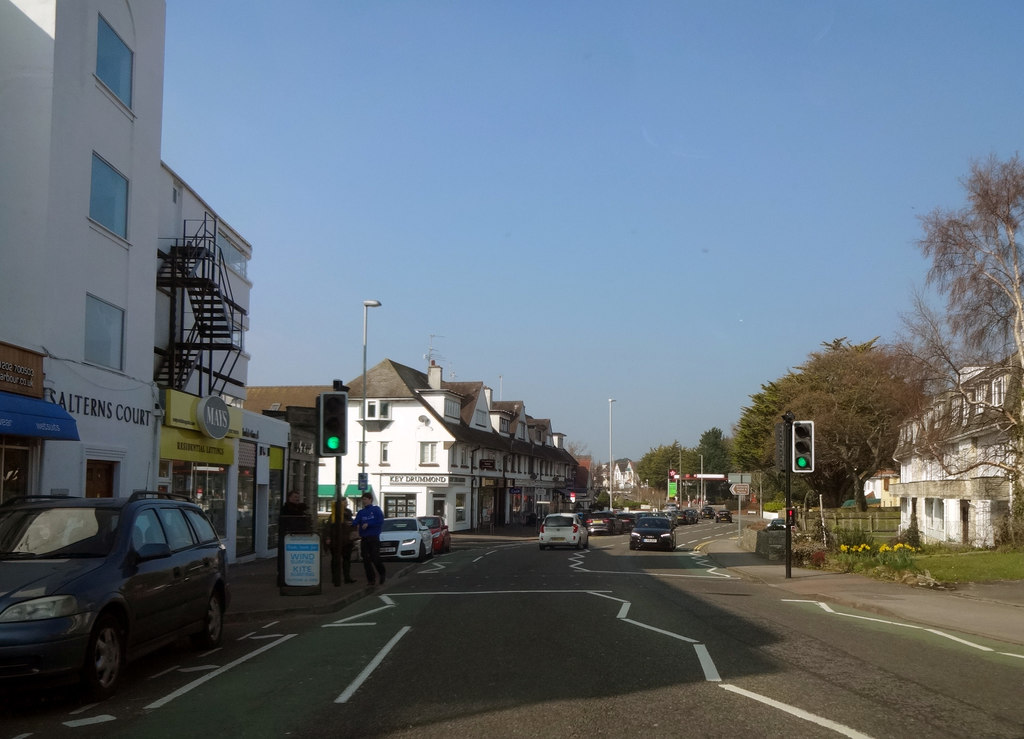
(978, 265)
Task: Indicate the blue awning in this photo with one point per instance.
(22, 416)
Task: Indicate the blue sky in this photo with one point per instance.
(584, 200)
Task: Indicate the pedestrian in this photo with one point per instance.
(368, 522)
(340, 551)
(293, 519)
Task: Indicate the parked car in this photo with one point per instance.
(628, 519)
(603, 522)
(562, 530)
(439, 533)
(653, 532)
(776, 524)
(405, 538)
(690, 516)
(723, 515)
(90, 583)
(707, 512)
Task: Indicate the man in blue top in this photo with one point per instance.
(367, 523)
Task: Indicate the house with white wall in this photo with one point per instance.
(953, 462)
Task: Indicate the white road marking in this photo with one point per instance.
(219, 671)
(88, 721)
(361, 677)
(347, 621)
(828, 609)
(799, 713)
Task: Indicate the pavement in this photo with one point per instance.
(993, 610)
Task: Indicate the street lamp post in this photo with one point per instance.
(611, 459)
(367, 304)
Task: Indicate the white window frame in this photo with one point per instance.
(384, 452)
(428, 452)
(377, 409)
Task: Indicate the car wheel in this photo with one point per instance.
(447, 545)
(423, 553)
(104, 657)
(213, 625)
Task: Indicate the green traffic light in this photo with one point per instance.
(333, 442)
(802, 462)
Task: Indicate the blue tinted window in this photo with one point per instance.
(114, 62)
(108, 198)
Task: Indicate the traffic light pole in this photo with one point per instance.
(788, 418)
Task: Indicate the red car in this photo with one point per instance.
(439, 533)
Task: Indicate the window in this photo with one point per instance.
(378, 409)
(998, 392)
(114, 62)
(362, 453)
(428, 452)
(104, 333)
(451, 408)
(108, 198)
(233, 256)
(384, 452)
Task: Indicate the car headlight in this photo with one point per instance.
(666, 536)
(39, 609)
(408, 542)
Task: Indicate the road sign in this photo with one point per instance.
(740, 488)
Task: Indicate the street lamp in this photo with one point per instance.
(611, 459)
(367, 304)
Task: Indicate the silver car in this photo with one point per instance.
(562, 530)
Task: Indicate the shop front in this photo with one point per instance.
(28, 423)
(197, 456)
(428, 495)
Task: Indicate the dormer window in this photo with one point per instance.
(503, 425)
(451, 408)
(480, 418)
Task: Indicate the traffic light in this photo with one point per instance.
(332, 421)
(803, 446)
(790, 517)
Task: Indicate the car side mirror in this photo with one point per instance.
(156, 550)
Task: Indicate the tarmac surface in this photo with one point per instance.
(994, 610)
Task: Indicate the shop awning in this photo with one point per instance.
(351, 491)
(22, 416)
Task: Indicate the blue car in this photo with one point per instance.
(87, 584)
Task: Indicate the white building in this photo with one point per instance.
(125, 296)
(955, 490)
(441, 448)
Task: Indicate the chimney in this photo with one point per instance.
(434, 376)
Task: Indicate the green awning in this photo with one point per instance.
(351, 491)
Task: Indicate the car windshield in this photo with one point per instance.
(399, 524)
(558, 521)
(57, 532)
(652, 522)
(433, 522)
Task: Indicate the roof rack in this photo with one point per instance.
(160, 494)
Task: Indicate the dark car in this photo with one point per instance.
(723, 515)
(603, 522)
(653, 532)
(628, 520)
(87, 584)
(707, 512)
(690, 516)
(776, 524)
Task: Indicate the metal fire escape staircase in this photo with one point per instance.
(205, 322)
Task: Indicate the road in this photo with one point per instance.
(508, 640)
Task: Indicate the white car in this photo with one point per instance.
(562, 530)
(405, 538)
